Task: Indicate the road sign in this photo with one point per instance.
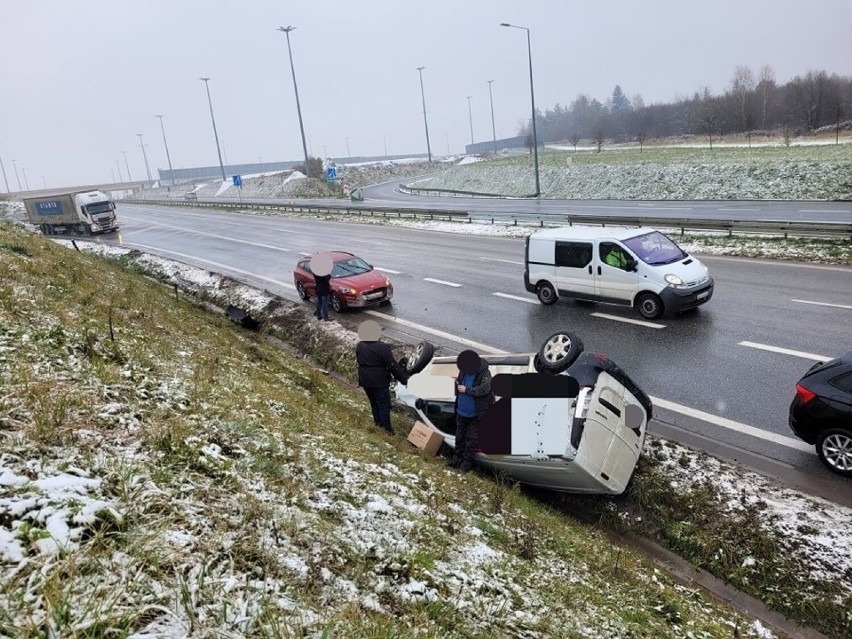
(238, 180)
(331, 173)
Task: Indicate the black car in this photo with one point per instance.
(821, 412)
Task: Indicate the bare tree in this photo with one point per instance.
(599, 138)
(641, 138)
(742, 86)
(708, 121)
(528, 143)
(573, 139)
(767, 89)
(787, 133)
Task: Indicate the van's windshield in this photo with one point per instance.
(654, 248)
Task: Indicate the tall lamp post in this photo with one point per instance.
(5, 179)
(425, 123)
(118, 166)
(287, 31)
(26, 181)
(215, 132)
(17, 177)
(145, 156)
(470, 117)
(166, 144)
(493, 128)
(127, 164)
(532, 100)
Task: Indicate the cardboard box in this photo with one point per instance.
(425, 438)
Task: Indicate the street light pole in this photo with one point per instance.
(118, 166)
(532, 100)
(470, 116)
(348, 152)
(26, 181)
(127, 164)
(493, 129)
(166, 144)
(215, 132)
(5, 179)
(425, 122)
(17, 177)
(287, 31)
(145, 156)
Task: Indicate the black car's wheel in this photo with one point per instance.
(559, 351)
(418, 360)
(546, 293)
(649, 305)
(301, 291)
(834, 447)
(337, 304)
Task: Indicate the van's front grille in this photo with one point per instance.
(699, 281)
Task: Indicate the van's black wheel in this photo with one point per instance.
(559, 351)
(546, 293)
(649, 305)
(420, 358)
(337, 304)
(300, 289)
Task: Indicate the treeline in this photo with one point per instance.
(752, 104)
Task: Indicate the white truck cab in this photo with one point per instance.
(638, 267)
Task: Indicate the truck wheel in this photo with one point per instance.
(546, 293)
(559, 351)
(649, 305)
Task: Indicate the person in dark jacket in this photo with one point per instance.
(473, 397)
(323, 287)
(376, 365)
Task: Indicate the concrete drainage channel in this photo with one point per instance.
(676, 567)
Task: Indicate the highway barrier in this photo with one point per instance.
(835, 230)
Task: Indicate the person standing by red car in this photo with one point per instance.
(321, 265)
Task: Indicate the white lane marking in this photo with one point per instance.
(786, 351)
(437, 333)
(739, 427)
(286, 231)
(386, 270)
(737, 210)
(628, 320)
(664, 208)
(305, 254)
(352, 239)
(516, 297)
(823, 211)
(155, 250)
(217, 236)
(758, 261)
(453, 284)
(497, 259)
(822, 304)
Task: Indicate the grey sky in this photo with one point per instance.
(80, 79)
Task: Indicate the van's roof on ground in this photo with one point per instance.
(592, 232)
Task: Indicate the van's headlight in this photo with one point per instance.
(674, 280)
(706, 271)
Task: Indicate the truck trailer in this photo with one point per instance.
(78, 212)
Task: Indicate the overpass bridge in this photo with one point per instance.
(104, 186)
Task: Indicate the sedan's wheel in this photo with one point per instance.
(337, 304)
(301, 291)
(418, 360)
(546, 293)
(649, 305)
(834, 448)
(559, 351)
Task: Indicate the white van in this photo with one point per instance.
(638, 267)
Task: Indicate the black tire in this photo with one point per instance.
(834, 447)
(301, 291)
(419, 358)
(546, 293)
(337, 304)
(649, 305)
(559, 351)
(537, 364)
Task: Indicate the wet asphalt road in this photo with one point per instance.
(695, 360)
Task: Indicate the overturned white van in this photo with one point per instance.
(638, 267)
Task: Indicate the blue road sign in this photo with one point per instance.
(238, 180)
(331, 173)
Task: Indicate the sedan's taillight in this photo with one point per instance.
(804, 394)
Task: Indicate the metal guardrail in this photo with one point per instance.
(834, 230)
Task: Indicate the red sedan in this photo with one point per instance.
(354, 283)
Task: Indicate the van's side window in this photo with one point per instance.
(573, 254)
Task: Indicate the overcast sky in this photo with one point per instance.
(79, 79)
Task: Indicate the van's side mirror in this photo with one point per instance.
(631, 264)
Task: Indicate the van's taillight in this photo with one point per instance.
(804, 394)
